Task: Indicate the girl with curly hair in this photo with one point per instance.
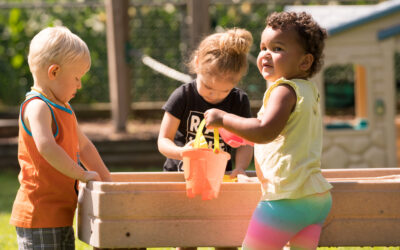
(288, 136)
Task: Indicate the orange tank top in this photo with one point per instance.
(46, 197)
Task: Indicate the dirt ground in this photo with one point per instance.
(104, 130)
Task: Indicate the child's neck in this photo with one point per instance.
(48, 94)
(292, 78)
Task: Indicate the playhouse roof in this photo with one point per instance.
(338, 18)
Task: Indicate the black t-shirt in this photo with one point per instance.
(186, 104)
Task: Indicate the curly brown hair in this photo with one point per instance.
(311, 35)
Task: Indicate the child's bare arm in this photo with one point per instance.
(38, 119)
(243, 157)
(90, 157)
(165, 142)
(278, 109)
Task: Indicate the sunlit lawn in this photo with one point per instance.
(8, 187)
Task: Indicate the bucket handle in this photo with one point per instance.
(200, 133)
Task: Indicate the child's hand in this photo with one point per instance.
(189, 145)
(214, 118)
(236, 172)
(90, 176)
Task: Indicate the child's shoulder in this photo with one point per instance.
(181, 94)
(184, 89)
(238, 93)
(34, 104)
(189, 86)
(293, 83)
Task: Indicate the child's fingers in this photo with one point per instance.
(207, 112)
(237, 172)
(213, 118)
(208, 115)
(209, 126)
(189, 144)
(91, 176)
(209, 120)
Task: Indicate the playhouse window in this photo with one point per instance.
(345, 97)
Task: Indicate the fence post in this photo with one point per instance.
(198, 20)
(118, 70)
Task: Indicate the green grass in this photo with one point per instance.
(8, 239)
(7, 233)
(8, 188)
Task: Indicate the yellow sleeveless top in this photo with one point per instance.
(290, 166)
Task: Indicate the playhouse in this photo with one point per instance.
(367, 37)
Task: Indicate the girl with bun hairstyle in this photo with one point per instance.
(219, 62)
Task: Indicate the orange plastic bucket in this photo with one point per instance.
(204, 168)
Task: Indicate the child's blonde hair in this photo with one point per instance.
(224, 52)
(56, 45)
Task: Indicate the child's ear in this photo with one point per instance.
(306, 62)
(53, 71)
